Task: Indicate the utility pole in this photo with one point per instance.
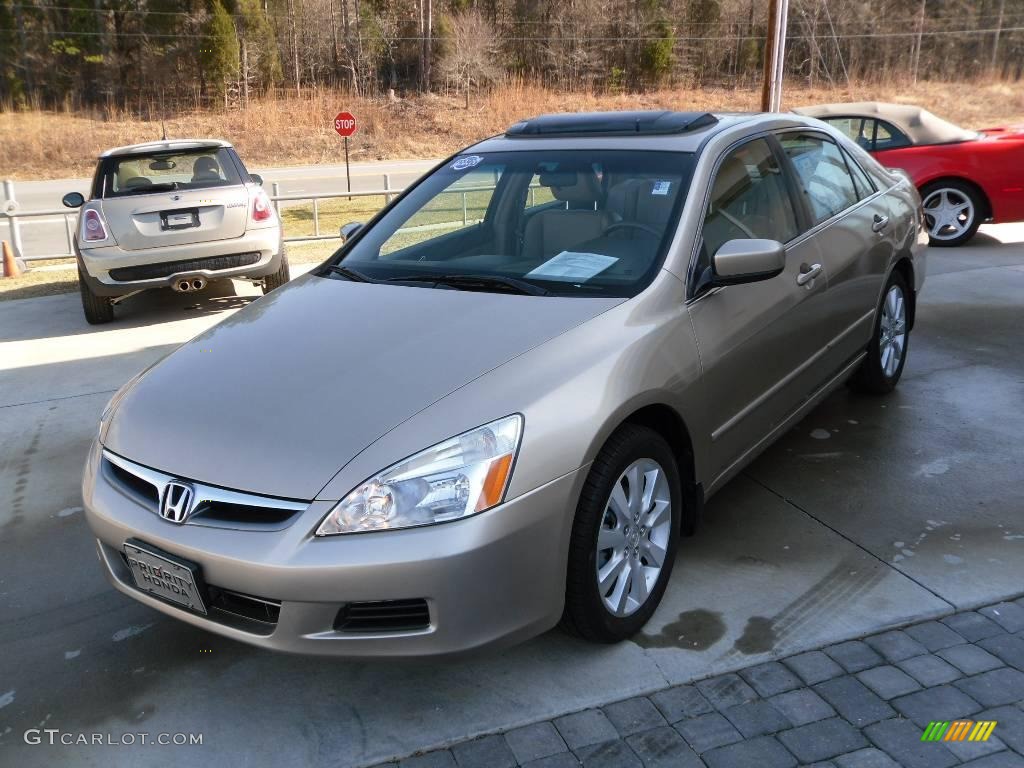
(917, 48)
(999, 30)
(774, 55)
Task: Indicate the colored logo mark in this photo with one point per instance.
(958, 730)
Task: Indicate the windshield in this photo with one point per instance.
(162, 171)
(586, 223)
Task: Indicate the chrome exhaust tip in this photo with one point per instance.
(198, 284)
(183, 286)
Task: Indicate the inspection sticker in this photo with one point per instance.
(572, 266)
(661, 187)
(467, 161)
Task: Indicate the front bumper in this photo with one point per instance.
(96, 263)
(490, 580)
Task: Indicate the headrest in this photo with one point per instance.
(572, 186)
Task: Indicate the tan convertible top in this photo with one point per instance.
(920, 125)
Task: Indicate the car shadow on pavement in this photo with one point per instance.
(61, 315)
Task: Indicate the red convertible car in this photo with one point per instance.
(964, 177)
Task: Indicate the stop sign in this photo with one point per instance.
(345, 124)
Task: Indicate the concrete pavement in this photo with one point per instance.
(870, 514)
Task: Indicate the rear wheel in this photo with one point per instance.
(887, 353)
(952, 212)
(624, 537)
(98, 309)
(279, 278)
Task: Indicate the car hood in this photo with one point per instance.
(281, 395)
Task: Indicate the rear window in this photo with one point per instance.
(166, 171)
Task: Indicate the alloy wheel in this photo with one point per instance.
(948, 213)
(892, 334)
(632, 542)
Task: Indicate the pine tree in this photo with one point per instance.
(218, 53)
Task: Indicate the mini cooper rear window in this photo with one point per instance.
(166, 171)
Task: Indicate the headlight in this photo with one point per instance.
(457, 478)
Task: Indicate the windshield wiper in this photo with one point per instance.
(476, 282)
(352, 274)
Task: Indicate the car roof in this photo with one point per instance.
(920, 125)
(165, 146)
(655, 129)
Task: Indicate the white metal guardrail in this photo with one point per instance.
(14, 217)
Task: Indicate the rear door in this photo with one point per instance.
(852, 234)
(166, 199)
(758, 342)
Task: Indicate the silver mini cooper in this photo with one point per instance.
(173, 214)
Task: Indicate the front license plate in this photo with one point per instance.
(165, 576)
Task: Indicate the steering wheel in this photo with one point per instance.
(631, 225)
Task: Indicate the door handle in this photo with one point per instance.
(880, 223)
(806, 275)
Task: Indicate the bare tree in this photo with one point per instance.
(471, 54)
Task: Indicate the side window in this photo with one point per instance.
(888, 136)
(856, 129)
(864, 186)
(463, 204)
(822, 173)
(749, 199)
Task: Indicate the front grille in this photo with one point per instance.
(155, 271)
(259, 609)
(214, 507)
(143, 488)
(383, 616)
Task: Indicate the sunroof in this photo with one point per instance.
(647, 123)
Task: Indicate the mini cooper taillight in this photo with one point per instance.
(93, 228)
(261, 208)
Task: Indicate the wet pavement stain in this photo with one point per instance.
(695, 630)
(758, 636)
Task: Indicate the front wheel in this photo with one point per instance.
(624, 537)
(952, 212)
(887, 353)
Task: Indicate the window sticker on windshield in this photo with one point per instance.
(661, 187)
(572, 266)
(469, 161)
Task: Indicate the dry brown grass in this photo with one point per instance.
(293, 130)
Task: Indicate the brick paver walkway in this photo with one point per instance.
(858, 704)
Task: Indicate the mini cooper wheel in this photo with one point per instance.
(97, 309)
(280, 277)
(887, 352)
(952, 212)
(624, 537)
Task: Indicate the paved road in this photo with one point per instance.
(47, 236)
(870, 514)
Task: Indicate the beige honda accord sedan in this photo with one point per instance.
(500, 403)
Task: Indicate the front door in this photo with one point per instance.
(758, 342)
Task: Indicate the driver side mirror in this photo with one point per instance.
(73, 200)
(348, 230)
(748, 261)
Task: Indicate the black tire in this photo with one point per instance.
(277, 279)
(965, 190)
(98, 309)
(871, 376)
(585, 613)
